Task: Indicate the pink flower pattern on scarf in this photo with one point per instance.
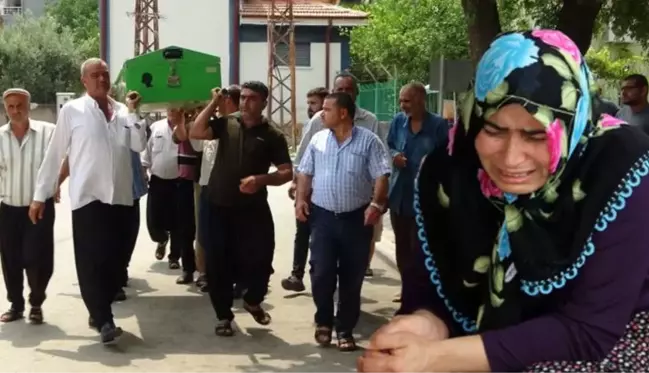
(487, 186)
(610, 121)
(559, 40)
(451, 138)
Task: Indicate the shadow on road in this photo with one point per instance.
(166, 332)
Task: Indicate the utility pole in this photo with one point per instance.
(146, 26)
(281, 85)
(147, 37)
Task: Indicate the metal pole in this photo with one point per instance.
(440, 94)
(293, 103)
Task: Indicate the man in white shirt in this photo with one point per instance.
(23, 246)
(98, 134)
(170, 210)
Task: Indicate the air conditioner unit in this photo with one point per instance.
(61, 99)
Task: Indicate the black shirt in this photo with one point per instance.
(243, 152)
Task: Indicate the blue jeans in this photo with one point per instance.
(339, 252)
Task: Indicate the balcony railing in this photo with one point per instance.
(11, 10)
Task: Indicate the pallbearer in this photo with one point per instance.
(98, 134)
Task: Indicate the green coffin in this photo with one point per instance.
(169, 77)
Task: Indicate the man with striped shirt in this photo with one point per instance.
(343, 83)
(24, 246)
(347, 168)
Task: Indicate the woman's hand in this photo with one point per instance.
(422, 323)
(398, 352)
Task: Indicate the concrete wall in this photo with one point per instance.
(45, 113)
(201, 25)
(35, 7)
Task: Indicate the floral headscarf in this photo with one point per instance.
(496, 257)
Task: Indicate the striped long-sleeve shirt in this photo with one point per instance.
(20, 161)
(344, 174)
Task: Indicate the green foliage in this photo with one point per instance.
(613, 65)
(625, 17)
(36, 56)
(81, 17)
(629, 18)
(403, 39)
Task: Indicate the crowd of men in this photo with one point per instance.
(206, 173)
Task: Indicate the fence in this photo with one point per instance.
(382, 98)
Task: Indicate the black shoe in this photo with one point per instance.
(237, 291)
(120, 296)
(160, 250)
(185, 278)
(110, 334)
(293, 283)
(173, 264)
(201, 283)
(36, 316)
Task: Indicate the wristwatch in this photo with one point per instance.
(378, 207)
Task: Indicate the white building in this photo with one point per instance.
(235, 30)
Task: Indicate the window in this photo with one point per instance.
(302, 54)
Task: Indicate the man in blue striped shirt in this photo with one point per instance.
(346, 169)
(346, 83)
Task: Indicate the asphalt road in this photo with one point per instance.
(169, 327)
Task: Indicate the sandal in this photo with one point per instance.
(11, 315)
(346, 343)
(224, 328)
(261, 317)
(174, 265)
(36, 316)
(323, 336)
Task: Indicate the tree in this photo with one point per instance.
(405, 38)
(81, 17)
(34, 55)
(614, 65)
(579, 19)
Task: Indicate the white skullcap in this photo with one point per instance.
(16, 91)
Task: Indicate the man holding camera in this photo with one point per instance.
(241, 231)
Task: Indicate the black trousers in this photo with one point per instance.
(134, 230)
(240, 247)
(339, 250)
(301, 248)
(26, 247)
(170, 215)
(101, 233)
(407, 245)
